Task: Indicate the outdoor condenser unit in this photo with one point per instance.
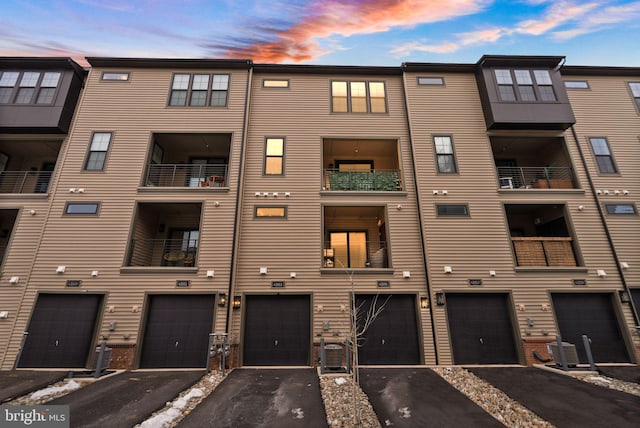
(569, 352)
(333, 356)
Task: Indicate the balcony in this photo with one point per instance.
(189, 175)
(163, 252)
(355, 254)
(535, 178)
(25, 181)
(375, 180)
(27, 166)
(544, 251)
(7, 223)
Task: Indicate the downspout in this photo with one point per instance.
(239, 199)
(625, 286)
(422, 234)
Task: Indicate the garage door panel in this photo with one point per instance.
(392, 338)
(277, 330)
(481, 328)
(591, 314)
(61, 330)
(177, 331)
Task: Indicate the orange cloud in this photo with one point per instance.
(299, 43)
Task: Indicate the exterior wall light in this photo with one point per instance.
(222, 300)
(236, 302)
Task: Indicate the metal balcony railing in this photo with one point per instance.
(25, 181)
(536, 178)
(358, 255)
(186, 175)
(544, 251)
(163, 252)
(375, 180)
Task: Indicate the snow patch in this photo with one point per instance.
(387, 422)
(599, 379)
(340, 381)
(404, 412)
(165, 419)
(181, 402)
(71, 385)
(298, 413)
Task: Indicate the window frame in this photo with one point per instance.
(82, 214)
(616, 170)
(265, 85)
(210, 91)
(348, 245)
(636, 99)
(115, 73)
(14, 90)
(575, 82)
(443, 214)
(284, 215)
(266, 156)
(433, 79)
(613, 204)
(368, 97)
(452, 154)
(106, 152)
(516, 85)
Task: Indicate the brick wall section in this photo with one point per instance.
(536, 344)
(122, 356)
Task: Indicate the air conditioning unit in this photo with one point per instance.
(333, 356)
(569, 353)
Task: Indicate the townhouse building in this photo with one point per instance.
(484, 208)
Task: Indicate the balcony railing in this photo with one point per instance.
(378, 180)
(186, 175)
(163, 252)
(25, 181)
(355, 256)
(536, 178)
(541, 251)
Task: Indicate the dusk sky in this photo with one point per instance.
(357, 32)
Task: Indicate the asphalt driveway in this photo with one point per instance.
(262, 398)
(562, 400)
(15, 383)
(418, 397)
(625, 373)
(125, 399)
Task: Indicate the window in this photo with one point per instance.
(358, 97)
(603, 156)
(437, 81)
(635, 91)
(349, 249)
(270, 212)
(621, 209)
(28, 87)
(82, 208)
(115, 76)
(444, 153)
(98, 151)
(199, 90)
(576, 84)
(530, 85)
(459, 210)
(275, 83)
(274, 156)
(48, 88)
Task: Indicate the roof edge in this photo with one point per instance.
(169, 62)
(326, 69)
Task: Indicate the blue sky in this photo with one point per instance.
(357, 32)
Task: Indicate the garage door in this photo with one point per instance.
(177, 331)
(392, 338)
(481, 328)
(591, 314)
(61, 331)
(277, 330)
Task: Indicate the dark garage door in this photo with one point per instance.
(277, 330)
(177, 331)
(591, 314)
(61, 331)
(481, 329)
(392, 338)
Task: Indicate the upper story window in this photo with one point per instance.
(275, 83)
(635, 91)
(525, 85)
(199, 90)
(452, 210)
(270, 212)
(28, 87)
(274, 156)
(98, 149)
(576, 84)
(602, 153)
(115, 76)
(82, 208)
(444, 153)
(624, 209)
(431, 81)
(358, 97)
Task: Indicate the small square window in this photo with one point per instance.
(434, 81)
(9, 78)
(50, 80)
(29, 79)
(503, 77)
(271, 212)
(453, 210)
(45, 96)
(83, 208)
(115, 76)
(576, 84)
(623, 209)
(275, 83)
(523, 77)
(542, 77)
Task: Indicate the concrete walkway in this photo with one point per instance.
(562, 400)
(417, 397)
(16, 383)
(262, 398)
(125, 399)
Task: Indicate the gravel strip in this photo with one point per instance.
(175, 411)
(492, 400)
(337, 393)
(609, 382)
(55, 390)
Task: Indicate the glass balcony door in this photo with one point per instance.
(350, 249)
